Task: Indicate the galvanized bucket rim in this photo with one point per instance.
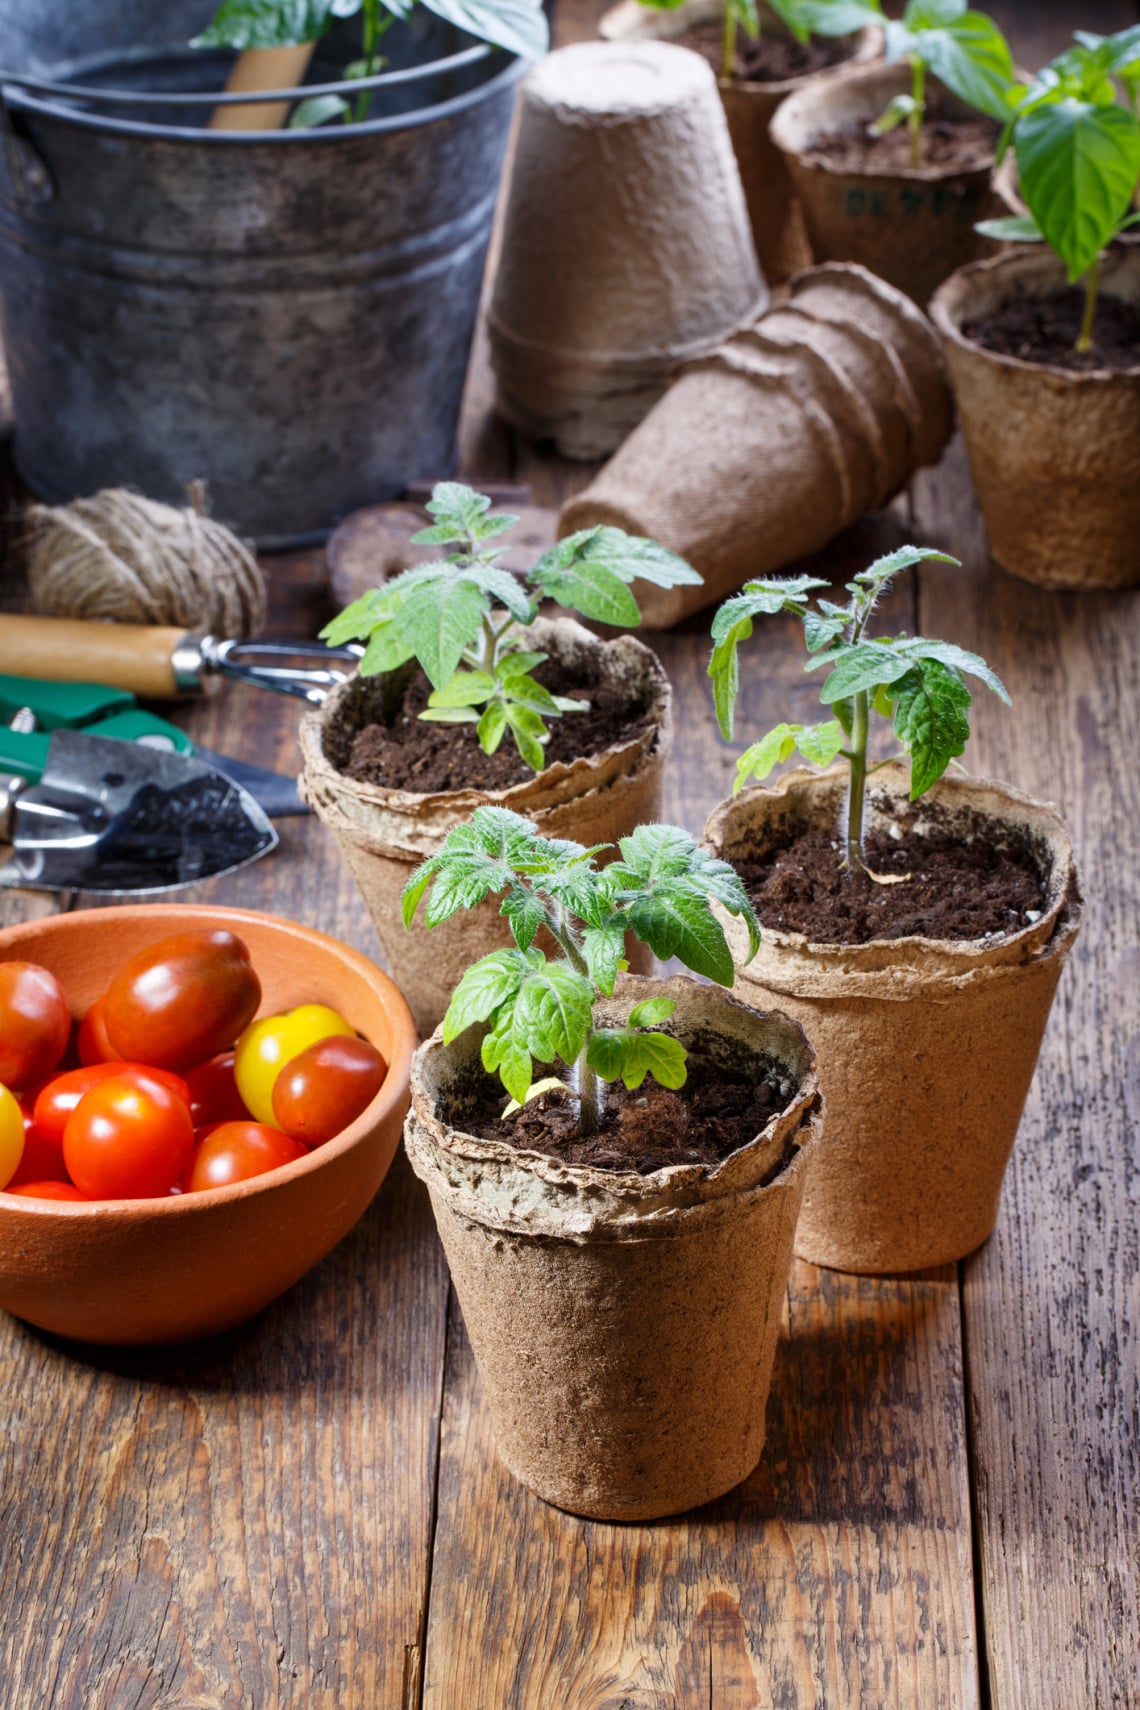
(19, 92)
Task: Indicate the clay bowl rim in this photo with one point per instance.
(948, 306)
(857, 74)
(396, 1087)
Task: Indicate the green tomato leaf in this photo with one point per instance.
(837, 17)
(466, 689)
(675, 922)
(604, 950)
(485, 988)
(517, 25)
(440, 619)
(1078, 164)
(592, 589)
(724, 669)
(820, 743)
(505, 1050)
(883, 570)
(386, 650)
(525, 913)
(931, 707)
(969, 54)
(450, 715)
(553, 1010)
(656, 1054)
(518, 665)
(606, 1052)
(651, 1012)
(859, 668)
(821, 629)
(506, 590)
(416, 886)
(458, 511)
(492, 727)
(528, 730)
(946, 653)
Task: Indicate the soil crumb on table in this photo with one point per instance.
(1044, 329)
(721, 1107)
(955, 890)
(948, 142)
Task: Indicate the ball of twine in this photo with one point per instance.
(117, 555)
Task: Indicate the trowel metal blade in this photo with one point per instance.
(119, 817)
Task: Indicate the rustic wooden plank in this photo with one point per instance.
(1051, 1301)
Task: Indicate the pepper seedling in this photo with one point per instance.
(518, 25)
(802, 18)
(1078, 159)
(917, 683)
(543, 1009)
(460, 618)
(964, 49)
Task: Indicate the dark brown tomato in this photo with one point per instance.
(182, 1000)
(328, 1086)
(35, 1024)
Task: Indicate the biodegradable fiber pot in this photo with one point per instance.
(1054, 452)
(624, 1326)
(385, 833)
(911, 227)
(777, 223)
(762, 451)
(926, 1047)
(626, 245)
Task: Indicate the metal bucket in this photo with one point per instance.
(288, 314)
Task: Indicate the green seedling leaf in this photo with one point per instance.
(877, 575)
(486, 987)
(504, 1051)
(969, 54)
(243, 24)
(617, 1053)
(651, 1012)
(466, 689)
(893, 114)
(931, 707)
(1016, 228)
(553, 1010)
(519, 665)
(518, 25)
(838, 17)
(440, 619)
(604, 950)
(525, 913)
(819, 743)
(1078, 163)
(529, 731)
(746, 14)
(674, 922)
(317, 110)
(492, 727)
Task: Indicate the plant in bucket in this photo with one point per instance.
(915, 923)
(1044, 345)
(456, 660)
(619, 1231)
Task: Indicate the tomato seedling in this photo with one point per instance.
(459, 619)
(802, 18)
(919, 684)
(1078, 159)
(543, 1009)
(518, 25)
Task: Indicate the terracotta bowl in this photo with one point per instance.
(168, 1270)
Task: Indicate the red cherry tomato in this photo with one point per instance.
(92, 1044)
(214, 1096)
(42, 1160)
(35, 1024)
(182, 1000)
(55, 1102)
(48, 1190)
(324, 1089)
(264, 1049)
(130, 1137)
(235, 1151)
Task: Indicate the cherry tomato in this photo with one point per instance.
(326, 1087)
(11, 1135)
(182, 1000)
(264, 1049)
(48, 1190)
(35, 1024)
(42, 1160)
(130, 1137)
(235, 1151)
(92, 1044)
(214, 1096)
(56, 1101)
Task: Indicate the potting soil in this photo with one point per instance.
(1044, 329)
(948, 141)
(768, 59)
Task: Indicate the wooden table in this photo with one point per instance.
(308, 1512)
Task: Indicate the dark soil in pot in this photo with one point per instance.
(954, 889)
(769, 59)
(397, 749)
(1044, 329)
(949, 139)
(724, 1103)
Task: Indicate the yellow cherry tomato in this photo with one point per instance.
(11, 1136)
(268, 1045)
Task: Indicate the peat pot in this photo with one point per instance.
(926, 1047)
(286, 314)
(624, 1326)
(777, 221)
(1054, 452)
(384, 834)
(912, 227)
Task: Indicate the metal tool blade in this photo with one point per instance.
(273, 791)
(119, 817)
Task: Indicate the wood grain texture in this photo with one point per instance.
(1052, 1303)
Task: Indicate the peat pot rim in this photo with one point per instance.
(554, 784)
(529, 1193)
(188, 1207)
(817, 101)
(1028, 273)
(21, 94)
(915, 957)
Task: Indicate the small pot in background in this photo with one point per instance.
(624, 1326)
(926, 1047)
(1054, 452)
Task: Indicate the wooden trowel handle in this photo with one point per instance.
(262, 68)
(127, 656)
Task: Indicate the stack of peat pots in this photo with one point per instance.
(778, 228)
(1054, 447)
(626, 245)
(764, 449)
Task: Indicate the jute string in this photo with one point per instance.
(117, 555)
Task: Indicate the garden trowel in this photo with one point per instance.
(117, 817)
